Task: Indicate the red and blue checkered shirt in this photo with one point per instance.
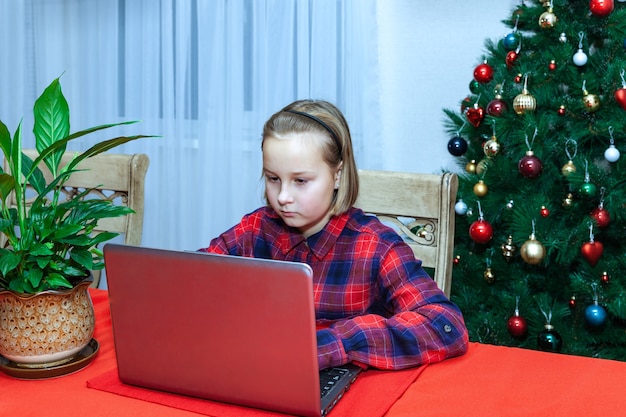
(374, 303)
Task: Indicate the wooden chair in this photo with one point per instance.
(421, 208)
(116, 177)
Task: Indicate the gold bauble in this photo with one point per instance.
(547, 20)
(591, 101)
(491, 147)
(480, 189)
(508, 248)
(524, 103)
(569, 200)
(489, 276)
(568, 168)
(470, 167)
(532, 251)
(482, 166)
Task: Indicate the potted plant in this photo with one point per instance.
(49, 247)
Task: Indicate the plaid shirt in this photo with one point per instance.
(374, 303)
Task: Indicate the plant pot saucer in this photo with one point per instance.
(82, 359)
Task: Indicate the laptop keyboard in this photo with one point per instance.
(328, 378)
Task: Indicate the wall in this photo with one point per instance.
(428, 52)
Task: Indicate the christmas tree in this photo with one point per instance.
(540, 246)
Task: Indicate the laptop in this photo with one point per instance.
(224, 328)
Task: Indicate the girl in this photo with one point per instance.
(375, 305)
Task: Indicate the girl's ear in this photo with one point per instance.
(338, 175)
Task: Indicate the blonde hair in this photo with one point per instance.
(322, 117)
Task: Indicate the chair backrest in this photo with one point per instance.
(421, 208)
(116, 177)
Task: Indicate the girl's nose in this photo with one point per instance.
(284, 196)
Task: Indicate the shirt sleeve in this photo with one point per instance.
(423, 326)
(238, 240)
(220, 244)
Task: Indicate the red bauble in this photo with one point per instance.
(475, 115)
(511, 57)
(620, 97)
(601, 217)
(601, 8)
(544, 211)
(552, 65)
(481, 231)
(483, 73)
(496, 107)
(592, 251)
(530, 166)
(517, 326)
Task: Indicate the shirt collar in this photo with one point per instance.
(321, 242)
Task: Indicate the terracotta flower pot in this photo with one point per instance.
(45, 329)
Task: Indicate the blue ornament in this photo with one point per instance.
(549, 339)
(511, 41)
(457, 146)
(595, 315)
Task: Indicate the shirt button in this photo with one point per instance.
(447, 328)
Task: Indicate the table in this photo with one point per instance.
(488, 380)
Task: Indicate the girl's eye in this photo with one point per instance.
(301, 181)
(271, 178)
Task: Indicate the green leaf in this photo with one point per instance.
(77, 240)
(94, 150)
(97, 266)
(41, 250)
(9, 261)
(103, 147)
(15, 162)
(68, 270)
(82, 257)
(34, 276)
(103, 237)
(52, 123)
(43, 261)
(19, 285)
(55, 280)
(5, 223)
(5, 140)
(33, 174)
(7, 184)
(67, 230)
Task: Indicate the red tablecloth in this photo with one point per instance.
(502, 381)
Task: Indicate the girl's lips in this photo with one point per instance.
(287, 213)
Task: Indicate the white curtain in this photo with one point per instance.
(203, 75)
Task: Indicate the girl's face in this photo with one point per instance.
(299, 184)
